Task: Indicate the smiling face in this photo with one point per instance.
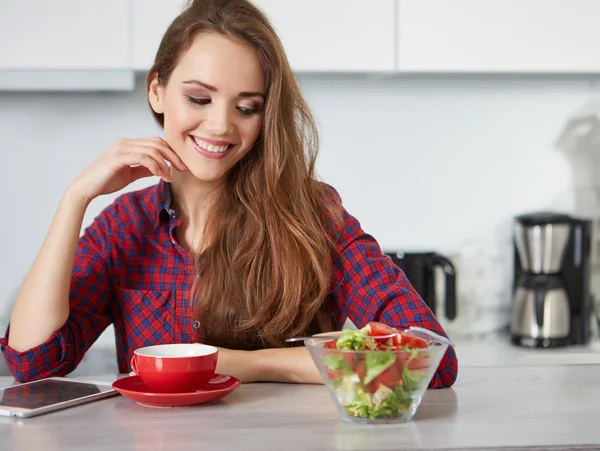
(212, 105)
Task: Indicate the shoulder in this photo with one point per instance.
(341, 225)
(330, 194)
(332, 203)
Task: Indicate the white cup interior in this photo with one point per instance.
(177, 350)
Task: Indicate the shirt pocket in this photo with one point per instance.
(148, 316)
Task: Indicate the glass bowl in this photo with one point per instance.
(378, 386)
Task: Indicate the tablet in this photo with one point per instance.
(48, 395)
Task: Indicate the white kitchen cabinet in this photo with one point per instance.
(151, 18)
(335, 35)
(518, 36)
(318, 35)
(65, 35)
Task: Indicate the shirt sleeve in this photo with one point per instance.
(368, 287)
(89, 313)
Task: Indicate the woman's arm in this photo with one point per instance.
(77, 320)
(369, 287)
(292, 365)
(374, 289)
(42, 305)
(62, 308)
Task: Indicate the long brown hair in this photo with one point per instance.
(266, 272)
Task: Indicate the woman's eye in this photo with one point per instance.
(248, 111)
(197, 101)
(244, 110)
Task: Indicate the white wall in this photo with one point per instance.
(435, 164)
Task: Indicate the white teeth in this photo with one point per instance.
(209, 147)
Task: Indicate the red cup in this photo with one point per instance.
(175, 368)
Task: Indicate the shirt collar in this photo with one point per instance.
(163, 199)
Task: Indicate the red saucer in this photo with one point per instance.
(134, 388)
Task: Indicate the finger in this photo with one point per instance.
(162, 169)
(157, 155)
(139, 172)
(138, 158)
(158, 144)
(153, 154)
(168, 153)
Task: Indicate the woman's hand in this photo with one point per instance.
(124, 162)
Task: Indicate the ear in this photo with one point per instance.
(156, 95)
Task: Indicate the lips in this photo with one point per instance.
(211, 145)
(211, 148)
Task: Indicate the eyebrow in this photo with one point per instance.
(214, 89)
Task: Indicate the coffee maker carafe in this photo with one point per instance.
(551, 303)
(419, 268)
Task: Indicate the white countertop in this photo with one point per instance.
(491, 408)
(497, 350)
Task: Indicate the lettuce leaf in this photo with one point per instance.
(353, 340)
(384, 403)
(412, 379)
(338, 363)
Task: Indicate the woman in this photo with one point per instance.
(237, 245)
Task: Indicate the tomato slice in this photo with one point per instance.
(409, 341)
(378, 329)
(401, 339)
(389, 378)
(417, 343)
(331, 344)
(420, 363)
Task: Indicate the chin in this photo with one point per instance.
(207, 176)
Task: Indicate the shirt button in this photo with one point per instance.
(171, 212)
(196, 324)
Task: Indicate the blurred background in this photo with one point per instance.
(441, 121)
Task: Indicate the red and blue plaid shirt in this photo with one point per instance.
(130, 271)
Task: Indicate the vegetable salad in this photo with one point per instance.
(382, 382)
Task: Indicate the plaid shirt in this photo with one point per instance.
(130, 271)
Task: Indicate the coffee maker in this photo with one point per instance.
(419, 268)
(551, 303)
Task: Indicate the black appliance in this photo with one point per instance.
(420, 269)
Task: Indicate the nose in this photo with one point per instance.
(218, 122)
